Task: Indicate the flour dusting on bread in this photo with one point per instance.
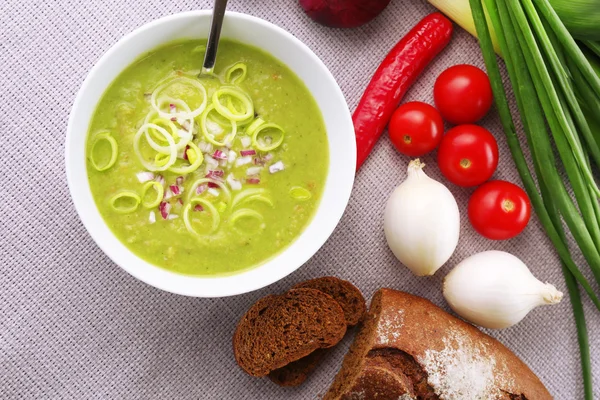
(463, 370)
(389, 328)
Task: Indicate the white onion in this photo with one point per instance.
(421, 222)
(495, 289)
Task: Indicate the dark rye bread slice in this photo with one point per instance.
(352, 302)
(278, 330)
(346, 294)
(408, 348)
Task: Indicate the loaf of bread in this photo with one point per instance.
(408, 348)
(278, 330)
(353, 304)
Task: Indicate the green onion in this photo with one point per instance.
(125, 202)
(235, 93)
(197, 158)
(114, 148)
(216, 217)
(581, 17)
(593, 46)
(158, 188)
(236, 73)
(243, 195)
(210, 136)
(299, 193)
(246, 213)
(254, 125)
(525, 75)
(261, 143)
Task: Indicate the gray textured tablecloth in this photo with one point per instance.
(75, 326)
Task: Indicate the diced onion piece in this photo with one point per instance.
(144, 176)
(160, 179)
(113, 151)
(234, 184)
(180, 114)
(211, 162)
(133, 197)
(262, 144)
(206, 181)
(168, 194)
(201, 189)
(253, 171)
(179, 180)
(173, 149)
(155, 201)
(215, 174)
(267, 157)
(172, 108)
(213, 192)
(216, 217)
(172, 216)
(152, 217)
(243, 161)
(253, 180)
(300, 193)
(246, 141)
(236, 73)
(165, 209)
(231, 156)
(205, 147)
(249, 152)
(198, 207)
(278, 166)
(176, 189)
(237, 94)
(219, 155)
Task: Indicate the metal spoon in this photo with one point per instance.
(213, 37)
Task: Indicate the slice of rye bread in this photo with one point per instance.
(352, 302)
(278, 330)
(346, 294)
(408, 348)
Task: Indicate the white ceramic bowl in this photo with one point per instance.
(303, 62)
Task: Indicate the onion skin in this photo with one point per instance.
(343, 13)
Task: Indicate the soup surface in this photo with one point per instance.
(210, 175)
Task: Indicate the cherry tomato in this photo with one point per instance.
(468, 155)
(416, 128)
(463, 94)
(499, 210)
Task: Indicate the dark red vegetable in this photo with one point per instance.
(395, 75)
(343, 13)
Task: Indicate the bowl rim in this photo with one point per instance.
(78, 197)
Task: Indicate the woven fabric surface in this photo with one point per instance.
(73, 325)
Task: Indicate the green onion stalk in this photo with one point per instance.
(550, 78)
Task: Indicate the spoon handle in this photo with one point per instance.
(213, 37)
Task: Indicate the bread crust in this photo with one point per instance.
(352, 302)
(455, 356)
(297, 322)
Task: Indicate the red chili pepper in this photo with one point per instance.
(395, 75)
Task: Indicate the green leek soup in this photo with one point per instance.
(210, 175)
